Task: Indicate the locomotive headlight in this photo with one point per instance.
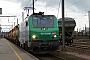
(55, 36)
(44, 28)
(34, 36)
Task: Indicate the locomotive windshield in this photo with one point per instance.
(45, 21)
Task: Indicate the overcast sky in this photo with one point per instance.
(77, 9)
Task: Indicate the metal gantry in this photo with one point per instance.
(8, 16)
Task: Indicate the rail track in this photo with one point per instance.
(80, 45)
(48, 56)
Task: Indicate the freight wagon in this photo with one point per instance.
(69, 29)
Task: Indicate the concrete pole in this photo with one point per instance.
(0, 28)
(77, 31)
(17, 21)
(22, 16)
(89, 22)
(12, 26)
(33, 6)
(14, 23)
(46, 9)
(28, 13)
(85, 30)
(63, 27)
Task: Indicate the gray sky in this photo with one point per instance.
(24, 2)
(77, 9)
(80, 4)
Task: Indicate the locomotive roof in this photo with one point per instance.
(67, 19)
(40, 13)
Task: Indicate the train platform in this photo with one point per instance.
(9, 51)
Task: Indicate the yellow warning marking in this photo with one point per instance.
(14, 51)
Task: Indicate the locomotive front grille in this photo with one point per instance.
(44, 37)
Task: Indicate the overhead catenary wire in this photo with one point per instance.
(82, 15)
(68, 6)
(31, 4)
(27, 4)
(14, 14)
(22, 9)
(74, 3)
(85, 14)
(58, 8)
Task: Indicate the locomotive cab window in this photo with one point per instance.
(45, 21)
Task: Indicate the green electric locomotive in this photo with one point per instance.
(39, 33)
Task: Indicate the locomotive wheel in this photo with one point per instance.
(67, 41)
(70, 42)
(23, 45)
(61, 42)
(18, 43)
(26, 47)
